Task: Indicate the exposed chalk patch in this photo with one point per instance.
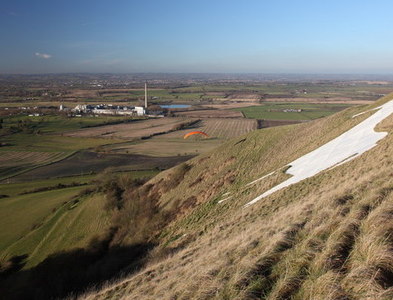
(362, 113)
(259, 179)
(342, 149)
(224, 199)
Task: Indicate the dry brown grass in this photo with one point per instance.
(327, 237)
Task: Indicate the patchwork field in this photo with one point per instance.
(322, 100)
(12, 162)
(130, 130)
(168, 147)
(13, 189)
(218, 129)
(84, 163)
(28, 151)
(58, 124)
(224, 128)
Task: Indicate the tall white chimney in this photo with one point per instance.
(145, 94)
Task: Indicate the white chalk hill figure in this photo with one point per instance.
(342, 149)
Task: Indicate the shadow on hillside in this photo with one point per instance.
(71, 273)
(15, 264)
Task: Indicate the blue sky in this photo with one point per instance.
(281, 36)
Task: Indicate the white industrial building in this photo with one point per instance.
(109, 109)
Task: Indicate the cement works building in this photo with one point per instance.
(103, 109)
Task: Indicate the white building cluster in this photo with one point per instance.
(292, 110)
(109, 109)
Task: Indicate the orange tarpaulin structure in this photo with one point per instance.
(194, 132)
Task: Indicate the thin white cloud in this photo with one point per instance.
(12, 13)
(43, 55)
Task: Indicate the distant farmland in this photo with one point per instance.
(223, 128)
(82, 163)
(24, 152)
(130, 130)
(227, 128)
(13, 162)
(219, 130)
(276, 111)
(211, 113)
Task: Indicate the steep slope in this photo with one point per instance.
(325, 237)
(344, 148)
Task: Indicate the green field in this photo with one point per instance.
(170, 95)
(173, 143)
(41, 223)
(14, 189)
(27, 142)
(295, 89)
(52, 143)
(58, 124)
(28, 151)
(275, 111)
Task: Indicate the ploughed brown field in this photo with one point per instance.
(86, 162)
(131, 130)
(172, 143)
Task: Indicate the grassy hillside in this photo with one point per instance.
(327, 237)
(186, 234)
(34, 224)
(43, 217)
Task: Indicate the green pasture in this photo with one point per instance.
(58, 124)
(274, 111)
(295, 89)
(52, 143)
(39, 224)
(54, 223)
(62, 145)
(172, 95)
(14, 189)
(20, 213)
